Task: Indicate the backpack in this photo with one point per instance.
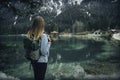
(32, 49)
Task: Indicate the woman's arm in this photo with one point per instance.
(45, 45)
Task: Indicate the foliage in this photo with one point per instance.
(94, 14)
(91, 15)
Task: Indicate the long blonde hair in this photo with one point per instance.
(37, 28)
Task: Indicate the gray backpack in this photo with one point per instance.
(32, 48)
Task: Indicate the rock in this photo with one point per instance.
(63, 71)
(116, 36)
(3, 76)
(102, 77)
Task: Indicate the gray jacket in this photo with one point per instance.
(44, 47)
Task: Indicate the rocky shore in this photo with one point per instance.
(4, 76)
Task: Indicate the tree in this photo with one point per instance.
(78, 26)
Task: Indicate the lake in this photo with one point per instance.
(71, 58)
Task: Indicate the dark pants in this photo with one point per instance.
(39, 70)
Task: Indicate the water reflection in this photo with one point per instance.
(70, 57)
(74, 50)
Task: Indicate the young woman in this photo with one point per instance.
(37, 33)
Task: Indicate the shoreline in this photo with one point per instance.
(115, 36)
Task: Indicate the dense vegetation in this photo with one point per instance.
(90, 15)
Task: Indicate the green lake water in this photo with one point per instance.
(70, 57)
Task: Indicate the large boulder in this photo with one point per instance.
(65, 71)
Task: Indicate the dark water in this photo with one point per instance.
(95, 56)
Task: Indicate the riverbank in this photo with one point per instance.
(94, 34)
(115, 34)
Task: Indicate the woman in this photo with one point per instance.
(37, 32)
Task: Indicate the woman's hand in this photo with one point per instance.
(49, 39)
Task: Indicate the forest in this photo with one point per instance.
(70, 16)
